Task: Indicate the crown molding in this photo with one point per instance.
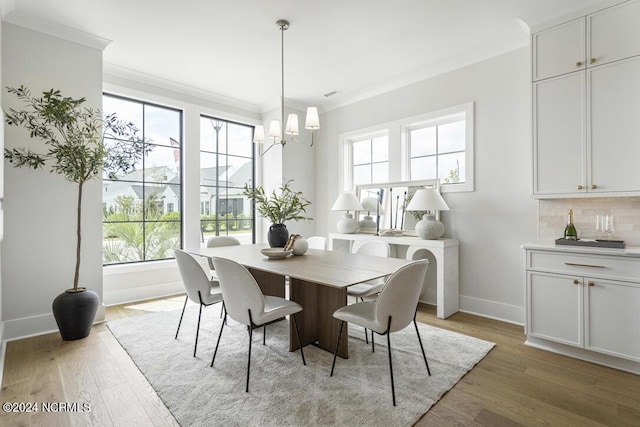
(44, 26)
(543, 18)
(148, 79)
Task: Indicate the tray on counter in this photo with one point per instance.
(597, 243)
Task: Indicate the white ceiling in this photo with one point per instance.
(231, 48)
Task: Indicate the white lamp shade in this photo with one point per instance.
(427, 199)
(292, 125)
(313, 121)
(274, 129)
(258, 134)
(371, 204)
(347, 202)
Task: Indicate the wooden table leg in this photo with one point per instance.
(270, 283)
(315, 321)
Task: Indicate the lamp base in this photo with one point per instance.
(367, 223)
(347, 225)
(429, 228)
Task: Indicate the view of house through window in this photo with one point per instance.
(226, 164)
(142, 218)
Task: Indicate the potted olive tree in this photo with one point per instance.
(73, 146)
(285, 205)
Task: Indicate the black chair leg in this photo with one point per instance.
(333, 365)
(219, 336)
(393, 389)
(249, 358)
(264, 334)
(186, 298)
(421, 347)
(197, 331)
(373, 344)
(295, 324)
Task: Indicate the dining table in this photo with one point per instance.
(318, 281)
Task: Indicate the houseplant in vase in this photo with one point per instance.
(73, 146)
(278, 207)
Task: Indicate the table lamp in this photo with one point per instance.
(347, 202)
(371, 205)
(428, 199)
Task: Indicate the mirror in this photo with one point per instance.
(393, 198)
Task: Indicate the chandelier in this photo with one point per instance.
(276, 135)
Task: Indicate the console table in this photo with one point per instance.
(445, 262)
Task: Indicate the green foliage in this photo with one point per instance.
(287, 205)
(73, 142)
(128, 241)
(73, 137)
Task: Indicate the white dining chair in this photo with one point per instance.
(393, 310)
(198, 287)
(373, 248)
(215, 242)
(317, 242)
(246, 304)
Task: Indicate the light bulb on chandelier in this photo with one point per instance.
(276, 135)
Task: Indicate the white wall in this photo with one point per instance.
(500, 215)
(38, 251)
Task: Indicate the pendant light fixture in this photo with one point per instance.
(276, 134)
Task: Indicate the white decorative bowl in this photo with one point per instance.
(275, 253)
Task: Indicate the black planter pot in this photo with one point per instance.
(75, 313)
(278, 235)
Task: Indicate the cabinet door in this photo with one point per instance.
(559, 50)
(612, 316)
(614, 137)
(554, 308)
(559, 135)
(613, 34)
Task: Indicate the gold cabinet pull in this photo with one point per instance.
(576, 282)
(591, 284)
(593, 60)
(593, 186)
(579, 187)
(579, 64)
(584, 265)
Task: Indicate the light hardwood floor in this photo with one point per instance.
(513, 385)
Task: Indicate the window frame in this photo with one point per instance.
(144, 182)
(438, 118)
(204, 116)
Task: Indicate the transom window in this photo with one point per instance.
(437, 151)
(370, 160)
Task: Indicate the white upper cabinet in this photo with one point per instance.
(613, 34)
(559, 134)
(559, 50)
(586, 105)
(614, 135)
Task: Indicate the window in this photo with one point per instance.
(370, 160)
(142, 219)
(226, 164)
(441, 147)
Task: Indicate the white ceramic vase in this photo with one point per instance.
(300, 246)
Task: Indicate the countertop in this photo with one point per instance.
(629, 251)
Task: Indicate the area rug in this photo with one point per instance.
(282, 391)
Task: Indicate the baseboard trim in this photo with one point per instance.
(493, 310)
(586, 355)
(26, 327)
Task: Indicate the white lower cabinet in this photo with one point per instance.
(584, 299)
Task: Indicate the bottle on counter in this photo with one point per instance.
(570, 232)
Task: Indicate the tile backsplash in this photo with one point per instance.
(552, 217)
